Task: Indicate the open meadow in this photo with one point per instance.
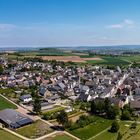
(59, 137)
(35, 130)
(4, 135)
(92, 129)
(6, 104)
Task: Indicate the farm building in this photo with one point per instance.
(13, 119)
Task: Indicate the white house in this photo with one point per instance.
(26, 98)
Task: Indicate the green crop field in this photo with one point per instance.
(109, 60)
(113, 60)
(131, 58)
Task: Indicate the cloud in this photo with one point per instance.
(126, 23)
(7, 27)
(129, 22)
(115, 26)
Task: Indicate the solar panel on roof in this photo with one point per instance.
(24, 122)
(14, 125)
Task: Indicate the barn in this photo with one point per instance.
(13, 119)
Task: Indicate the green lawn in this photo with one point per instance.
(6, 104)
(59, 137)
(63, 137)
(91, 130)
(7, 136)
(124, 130)
(35, 130)
(112, 136)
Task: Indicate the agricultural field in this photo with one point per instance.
(114, 60)
(6, 104)
(71, 58)
(58, 55)
(109, 60)
(91, 130)
(35, 130)
(132, 58)
(96, 60)
(4, 135)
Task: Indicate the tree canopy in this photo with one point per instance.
(62, 118)
(114, 127)
(1, 69)
(37, 106)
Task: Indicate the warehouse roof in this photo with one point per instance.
(13, 118)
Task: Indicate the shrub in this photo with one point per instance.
(134, 125)
(50, 115)
(126, 115)
(82, 121)
(114, 127)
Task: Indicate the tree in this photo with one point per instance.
(112, 112)
(100, 107)
(85, 106)
(126, 115)
(1, 69)
(83, 120)
(107, 104)
(37, 106)
(10, 66)
(93, 107)
(114, 127)
(118, 92)
(62, 118)
(127, 107)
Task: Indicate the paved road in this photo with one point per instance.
(117, 86)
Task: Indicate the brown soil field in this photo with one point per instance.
(69, 58)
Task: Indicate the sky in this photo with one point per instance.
(40, 23)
